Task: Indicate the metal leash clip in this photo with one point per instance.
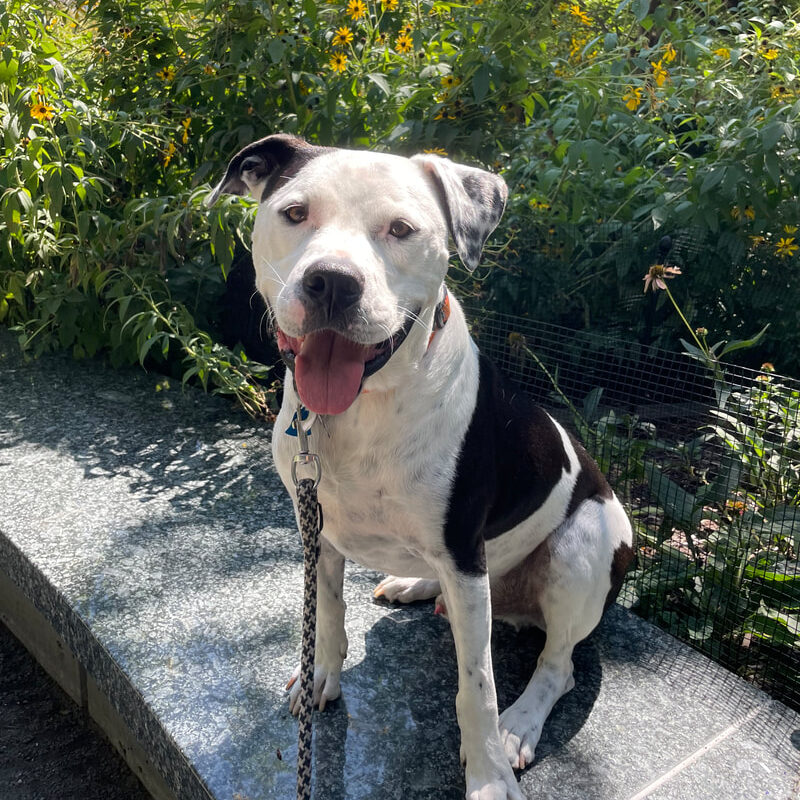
(303, 458)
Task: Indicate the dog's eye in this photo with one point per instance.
(400, 229)
(296, 213)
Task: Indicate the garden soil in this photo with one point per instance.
(49, 748)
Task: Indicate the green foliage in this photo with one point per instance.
(684, 124)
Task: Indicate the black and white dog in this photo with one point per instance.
(434, 470)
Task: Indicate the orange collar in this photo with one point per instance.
(440, 315)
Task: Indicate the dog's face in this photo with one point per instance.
(350, 250)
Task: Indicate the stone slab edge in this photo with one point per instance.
(42, 619)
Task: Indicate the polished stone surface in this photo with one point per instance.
(150, 528)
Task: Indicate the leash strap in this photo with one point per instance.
(310, 521)
(309, 514)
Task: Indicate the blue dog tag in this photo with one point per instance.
(304, 415)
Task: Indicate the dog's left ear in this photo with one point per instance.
(473, 200)
(258, 168)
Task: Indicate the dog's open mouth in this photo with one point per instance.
(329, 369)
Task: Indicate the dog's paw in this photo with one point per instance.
(407, 590)
(495, 788)
(520, 729)
(326, 688)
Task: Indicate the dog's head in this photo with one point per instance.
(350, 250)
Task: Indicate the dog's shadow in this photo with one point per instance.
(394, 732)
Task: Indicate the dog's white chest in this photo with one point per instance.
(383, 492)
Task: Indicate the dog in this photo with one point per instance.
(435, 470)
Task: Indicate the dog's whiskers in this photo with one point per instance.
(277, 279)
(415, 318)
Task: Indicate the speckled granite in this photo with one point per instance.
(151, 530)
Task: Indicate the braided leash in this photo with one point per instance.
(310, 521)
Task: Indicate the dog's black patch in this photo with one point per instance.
(512, 457)
(275, 159)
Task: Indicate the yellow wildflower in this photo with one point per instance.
(209, 69)
(576, 45)
(670, 53)
(770, 53)
(403, 43)
(389, 5)
(167, 74)
(342, 37)
(450, 81)
(383, 38)
(356, 9)
(749, 212)
(579, 14)
(185, 123)
(790, 229)
(660, 74)
(632, 97)
(436, 151)
(722, 52)
(785, 247)
(169, 153)
(338, 62)
(41, 111)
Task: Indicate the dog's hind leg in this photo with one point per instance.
(407, 590)
(573, 580)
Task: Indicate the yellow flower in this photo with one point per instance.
(41, 111)
(338, 62)
(579, 14)
(660, 74)
(356, 9)
(632, 97)
(670, 53)
(576, 44)
(169, 153)
(450, 81)
(790, 229)
(437, 151)
(383, 38)
(785, 247)
(185, 123)
(770, 53)
(403, 43)
(167, 74)
(209, 69)
(722, 52)
(342, 37)
(389, 5)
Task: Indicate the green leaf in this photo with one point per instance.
(741, 344)
(380, 81)
(640, 9)
(480, 83)
(276, 48)
(712, 179)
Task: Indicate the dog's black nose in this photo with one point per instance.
(332, 287)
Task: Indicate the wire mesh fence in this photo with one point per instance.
(709, 469)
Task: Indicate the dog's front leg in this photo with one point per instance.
(488, 773)
(331, 644)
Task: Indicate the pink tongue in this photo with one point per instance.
(328, 372)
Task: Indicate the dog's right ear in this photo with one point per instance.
(259, 168)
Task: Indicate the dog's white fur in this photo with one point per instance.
(389, 461)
